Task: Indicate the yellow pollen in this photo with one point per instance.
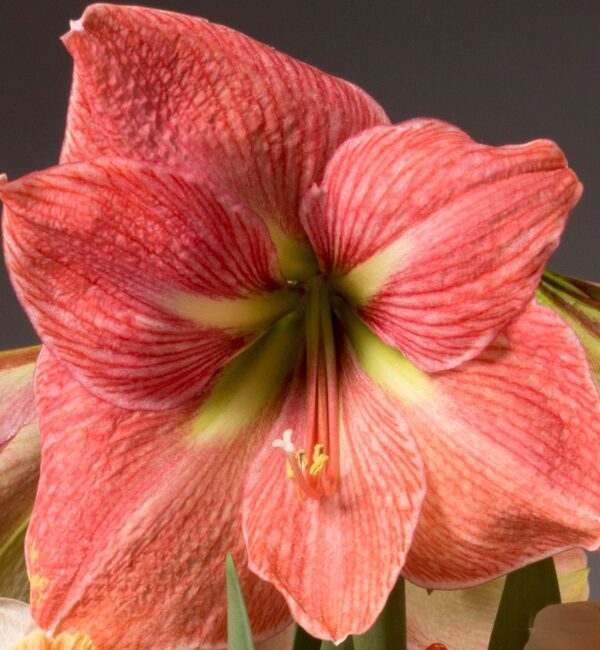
(289, 470)
(320, 459)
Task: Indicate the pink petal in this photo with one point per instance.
(180, 91)
(133, 522)
(100, 252)
(510, 443)
(336, 559)
(17, 402)
(439, 241)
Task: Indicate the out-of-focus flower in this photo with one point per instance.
(19, 466)
(271, 320)
(15, 622)
(17, 403)
(18, 631)
(574, 626)
(578, 302)
(463, 619)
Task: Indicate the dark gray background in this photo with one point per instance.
(505, 72)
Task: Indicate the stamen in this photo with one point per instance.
(296, 465)
(301, 458)
(315, 467)
(289, 470)
(320, 459)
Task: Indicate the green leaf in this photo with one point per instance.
(389, 630)
(304, 641)
(525, 593)
(239, 634)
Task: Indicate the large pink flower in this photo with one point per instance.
(276, 324)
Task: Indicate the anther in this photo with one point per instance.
(320, 459)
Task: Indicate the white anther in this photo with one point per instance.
(285, 442)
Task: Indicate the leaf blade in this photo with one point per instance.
(526, 591)
(239, 633)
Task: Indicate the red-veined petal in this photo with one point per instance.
(17, 402)
(336, 559)
(437, 240)
(510, 442)
(180, 91)
(133, 522)
(143, 282)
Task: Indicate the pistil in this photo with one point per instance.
(315, 466)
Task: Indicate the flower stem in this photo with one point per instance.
(526, 591)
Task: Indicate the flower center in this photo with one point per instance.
(315, 466)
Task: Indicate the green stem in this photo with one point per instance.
(526, 592)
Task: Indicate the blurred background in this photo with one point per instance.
(504, 72)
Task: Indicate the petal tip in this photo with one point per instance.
(3, 186)
(76, 25)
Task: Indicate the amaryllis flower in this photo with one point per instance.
(277, 325)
